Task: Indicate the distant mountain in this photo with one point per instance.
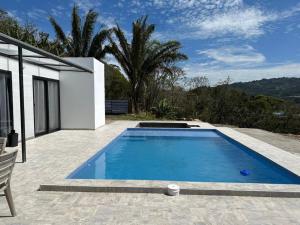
(285, 88)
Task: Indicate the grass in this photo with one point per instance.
(140, 116)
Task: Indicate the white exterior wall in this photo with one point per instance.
(99, 92)
(82, 97)
(28, 72)
(82, 100)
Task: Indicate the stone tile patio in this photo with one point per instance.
(288, 143)
(53, 156)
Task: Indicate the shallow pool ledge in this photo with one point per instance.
(187, 188)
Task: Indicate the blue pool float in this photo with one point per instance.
(245, 172)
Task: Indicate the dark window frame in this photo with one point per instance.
(45, 80)
(8, 74)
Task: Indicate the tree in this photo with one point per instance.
(143, 56)
(82, 42)
(28, 33)
(12, 27)
(116, 85)
(197, 82)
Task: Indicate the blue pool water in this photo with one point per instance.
(181, 155)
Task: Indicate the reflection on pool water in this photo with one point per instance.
(181, 155)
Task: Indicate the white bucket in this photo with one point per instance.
(173, 190)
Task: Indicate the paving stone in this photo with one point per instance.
(54, 156)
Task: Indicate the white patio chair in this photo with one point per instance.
(7, 162)
(2, 144)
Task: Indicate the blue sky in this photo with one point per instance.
(243, 39)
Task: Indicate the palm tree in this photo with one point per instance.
(143, 57)
(81, 42)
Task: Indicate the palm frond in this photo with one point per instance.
(82, 42)
(123, 43)
(101, 53)
(121, 49)
(87, 31)
(96, 48)
(121, 58)
(60, 35)
(76, 31)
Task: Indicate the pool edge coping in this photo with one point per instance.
(186, 188)
(231, 189)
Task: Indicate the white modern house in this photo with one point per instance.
(42, 93)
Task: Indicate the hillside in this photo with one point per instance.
(286, 88)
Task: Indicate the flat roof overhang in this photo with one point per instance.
(33, 55)
(26, 53)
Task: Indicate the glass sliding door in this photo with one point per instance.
(40, 110)
(53, 105)
(46, 105)
(6, 104)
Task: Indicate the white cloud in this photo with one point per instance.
(203, 19)
(120, 3)
(161, 36)
(244, 74)
(108, 21)
(234, 55)
(13, 14)
(243, 63)
(240, 22)
(37, 13)
(86, 5)
(196, 4)
(214, 18)
(289, 13)
(58, 11)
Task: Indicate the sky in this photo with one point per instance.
(244, 39)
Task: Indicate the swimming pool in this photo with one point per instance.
(195, 155)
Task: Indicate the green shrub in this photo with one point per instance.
(164, 110)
